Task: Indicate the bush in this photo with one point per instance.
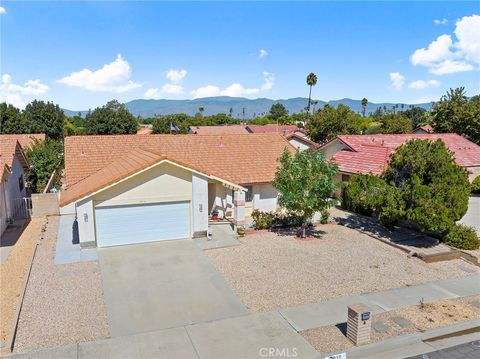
(325, 215)
(44, 157)
(362, 194)
(262, 220)
(475, 185)
(462, 237)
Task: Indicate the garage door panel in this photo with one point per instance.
(142, 223)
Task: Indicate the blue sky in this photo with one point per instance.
(82, 54)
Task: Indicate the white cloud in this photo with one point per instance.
(423, 84)
(440, 21)
(172, 89)
(167, 89)
(206, 91)
(398, 80)
(262, 53)
(445, 56)
(112, 77)
(176, 76)
(235, 89)
(152, 93)
(2, 10)
(450, 67)
(13, 94)
(467, 32)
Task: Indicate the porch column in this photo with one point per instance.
(239, 208)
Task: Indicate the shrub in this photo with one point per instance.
(462, 237)
(325, 215)
(361, 194)
(262, 220)
(475, 185)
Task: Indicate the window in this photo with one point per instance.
(21, 184)
(249, 194)
(345, 178)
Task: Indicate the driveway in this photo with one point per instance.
(163, 285)
(472, 217)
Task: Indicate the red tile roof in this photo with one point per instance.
(241, 159)
(426, 128)
(283, 129)
(371, 153)
(26, 139)
(218, 130)
(9, 148)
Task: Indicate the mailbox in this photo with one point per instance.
(359, 324)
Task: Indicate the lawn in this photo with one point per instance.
(272, 271)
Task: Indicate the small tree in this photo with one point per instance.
(111, 119)
(433, 188)
(395, 123)
(44, 157)
(12, 120)
(305, 184)
(44, 117)
(277, 111)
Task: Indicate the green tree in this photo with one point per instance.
(311, 81)
(277, 111)
(364, 106)
(433, 188)
(456, 113)
(44, 157)
(12, 120)
(304, 182)
(70, 129)
(417, 115)
(44, 117)
(330, 122)
(111, 119)
(395, 123)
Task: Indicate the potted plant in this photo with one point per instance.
(241, 231)
(215, 215)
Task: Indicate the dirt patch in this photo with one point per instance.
(13, 272)
(270, 271)
(418, 318)
(63, 303)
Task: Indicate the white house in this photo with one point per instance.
(13, 165)
(132, 188)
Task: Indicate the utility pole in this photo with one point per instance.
(243, 114)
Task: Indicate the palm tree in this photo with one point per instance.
(201, 109)
(364, 105)
(311, 81)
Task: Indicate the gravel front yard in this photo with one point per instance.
(270, 271)
(63, 303)
(399, 322)
(12, 275)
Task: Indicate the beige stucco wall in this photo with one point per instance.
(333, 147)
(163, 183)
(473, 172)
(298, 144)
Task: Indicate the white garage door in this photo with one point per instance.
(142, 223)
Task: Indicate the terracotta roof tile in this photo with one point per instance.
(218, 130)
(371, 153)
(284, 129)
(241, 159)
(25, 139)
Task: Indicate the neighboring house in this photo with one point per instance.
(423, 129)
(371, 153)
(293, 134)
(26, 140)
(13, 165)
(217, 130)
(129, 188)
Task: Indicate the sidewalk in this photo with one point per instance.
(334, 311)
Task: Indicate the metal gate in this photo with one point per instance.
(22, 208)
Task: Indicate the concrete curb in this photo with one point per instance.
(416, 341)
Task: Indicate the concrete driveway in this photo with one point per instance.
(472, 217)
(163, 285)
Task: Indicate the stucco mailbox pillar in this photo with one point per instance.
(359, 323)
(239, 208)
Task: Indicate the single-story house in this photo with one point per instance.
(13, 165)
(26, 140)
(423, 129)
(370, 153)
(297, 137)
(127, 189)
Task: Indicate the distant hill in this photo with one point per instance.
(253, 107)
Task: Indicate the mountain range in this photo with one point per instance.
(241, 106)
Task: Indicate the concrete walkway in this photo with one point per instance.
(334, 311)
(162, 285)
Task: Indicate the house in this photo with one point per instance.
(297, 137)
(371, 153)
(218, 130)
(26, 140)
(13, 165)
(423, 129)
(127, 189)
